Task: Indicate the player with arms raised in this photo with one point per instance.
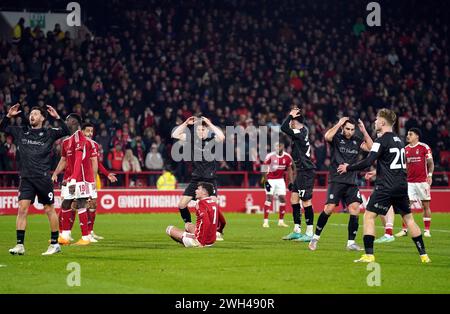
(345, 148)
(391, 187)
(303, 186)
(274, 167)
(35, 144)
(198, 129)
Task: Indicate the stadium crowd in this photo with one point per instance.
(236, 62)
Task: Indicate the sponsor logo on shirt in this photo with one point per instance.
(31, 142)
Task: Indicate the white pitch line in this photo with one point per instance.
(380, 227)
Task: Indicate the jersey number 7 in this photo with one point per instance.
(215, 214)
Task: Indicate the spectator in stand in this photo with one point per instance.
(130, 163)
(18, 30)
(167, 180)
(153, 162)
(115, 160)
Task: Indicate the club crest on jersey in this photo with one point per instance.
(41, 133)
(417, 152)
(342, 142)
(354, 142)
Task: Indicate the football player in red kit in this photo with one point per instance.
(88, 131)
(81, 159)
(74, 193)
(203, 233)
(274, 167)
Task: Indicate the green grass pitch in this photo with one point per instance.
(138, 257)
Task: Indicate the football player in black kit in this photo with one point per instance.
(391, 188)
(204, 170)
(345, 148)
(34, 145)
(302, 187)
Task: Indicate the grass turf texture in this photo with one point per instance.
(138, 257)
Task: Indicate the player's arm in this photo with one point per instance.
(111, 176)
(332, 132)
(94, 162)
(4, 124)
(368, 142)
(285, 125)
(179, 133)
(220, 137)
(63, 130)
(430, 167)
(59, 168)
(365, 163)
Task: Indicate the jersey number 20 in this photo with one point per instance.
(399, 154)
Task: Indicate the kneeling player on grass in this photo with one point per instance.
(274, 167)
(391, 187)
(203, 233)
(345, 148)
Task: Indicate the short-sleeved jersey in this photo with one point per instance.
(78, 142)
(276, 165)
(344, 150)
(301, 151)
(389, 151)
(206, 224)
(416, 161)
(202, 168)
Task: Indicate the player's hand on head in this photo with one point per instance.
(14, 111)
(190, 120)
(207, 121)
(343, 120)
(296, 112)
(361, 126)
